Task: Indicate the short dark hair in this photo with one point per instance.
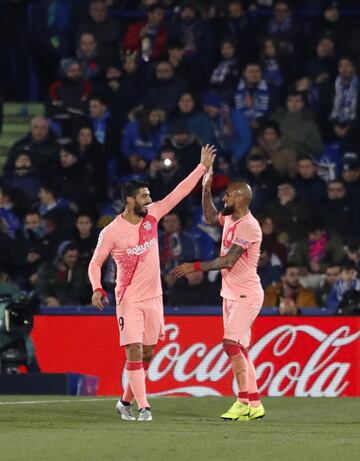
(175, 43)
(306, 157)
(154, 7)
(295, 93)
(131, 188)
(98, 97)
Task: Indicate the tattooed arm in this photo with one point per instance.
(222, 262)
(210, 212)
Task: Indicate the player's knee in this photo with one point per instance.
(134, 352)
(233, 349)
(148, 355)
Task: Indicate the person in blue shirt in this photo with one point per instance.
(231, 128)
(143, 136)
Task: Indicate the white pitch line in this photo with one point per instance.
(35, 402)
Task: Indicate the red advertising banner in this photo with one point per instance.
(293, 356)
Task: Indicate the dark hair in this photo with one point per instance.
(131, 188)
(51, 188)
(175, 43)
(294, 93)
(272, 125)
(256, 158)
(98, 97)
(154, 7)
(306, 157)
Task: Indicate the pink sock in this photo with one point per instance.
(136, 377)
(128, 395)
(239, 368)
(253, 389)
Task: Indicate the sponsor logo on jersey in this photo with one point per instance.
(140, 249)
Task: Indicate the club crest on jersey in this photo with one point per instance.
(229, 236)
(147, 226)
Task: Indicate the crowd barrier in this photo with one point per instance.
(294, 356)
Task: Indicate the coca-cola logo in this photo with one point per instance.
(195, 369)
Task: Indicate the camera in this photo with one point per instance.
(16, 323)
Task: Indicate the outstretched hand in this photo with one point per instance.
(182, 270)
(208, 154)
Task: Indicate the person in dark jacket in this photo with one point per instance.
(40, 144)
(63, 281)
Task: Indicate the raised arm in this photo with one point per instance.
(161, 208)
(209, 210)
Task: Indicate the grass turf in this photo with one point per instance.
(183, 429)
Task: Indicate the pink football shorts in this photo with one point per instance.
(238, 316)
(141, 322)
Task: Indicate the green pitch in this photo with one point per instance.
(183, 429)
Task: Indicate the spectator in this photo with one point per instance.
(175, 246)
(263, 181)
(69, 96)
(8, 216)
(230, 127)
(92, 153)
(317, 250)
(143, 136)
(338, 214)
(291, 215)
(89, 57)
(269, 274)
(352, 251)
(322, 67)
(185, 147)
(75, 179)
(345, 103)
(23, 176)
(239, 27)
(346, 282)
(105, 127)
(299, 129)
(106, 29)
(165, 174)
(194, 289)
(226, 73)
(282, 27)
(309, 186)
(252, 95)
(196, 121)
(272, 65)
(148, 37)
(165, 91)
(277, 249)
(40, 144)
(272, 146)
(63, 281)
(50, 201)
(184, 70)
(332, 274)
(351, 177)
(123, 88)
(196, 34)
(332, 25)
(84, 237)
(288, 294)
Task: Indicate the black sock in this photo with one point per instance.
(126, 404)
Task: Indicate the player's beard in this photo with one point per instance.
(228, 210)
(140, 210)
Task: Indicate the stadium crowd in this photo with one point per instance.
(134, 96)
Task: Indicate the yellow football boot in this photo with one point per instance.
(236, 410)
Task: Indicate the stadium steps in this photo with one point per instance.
(16, 119)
